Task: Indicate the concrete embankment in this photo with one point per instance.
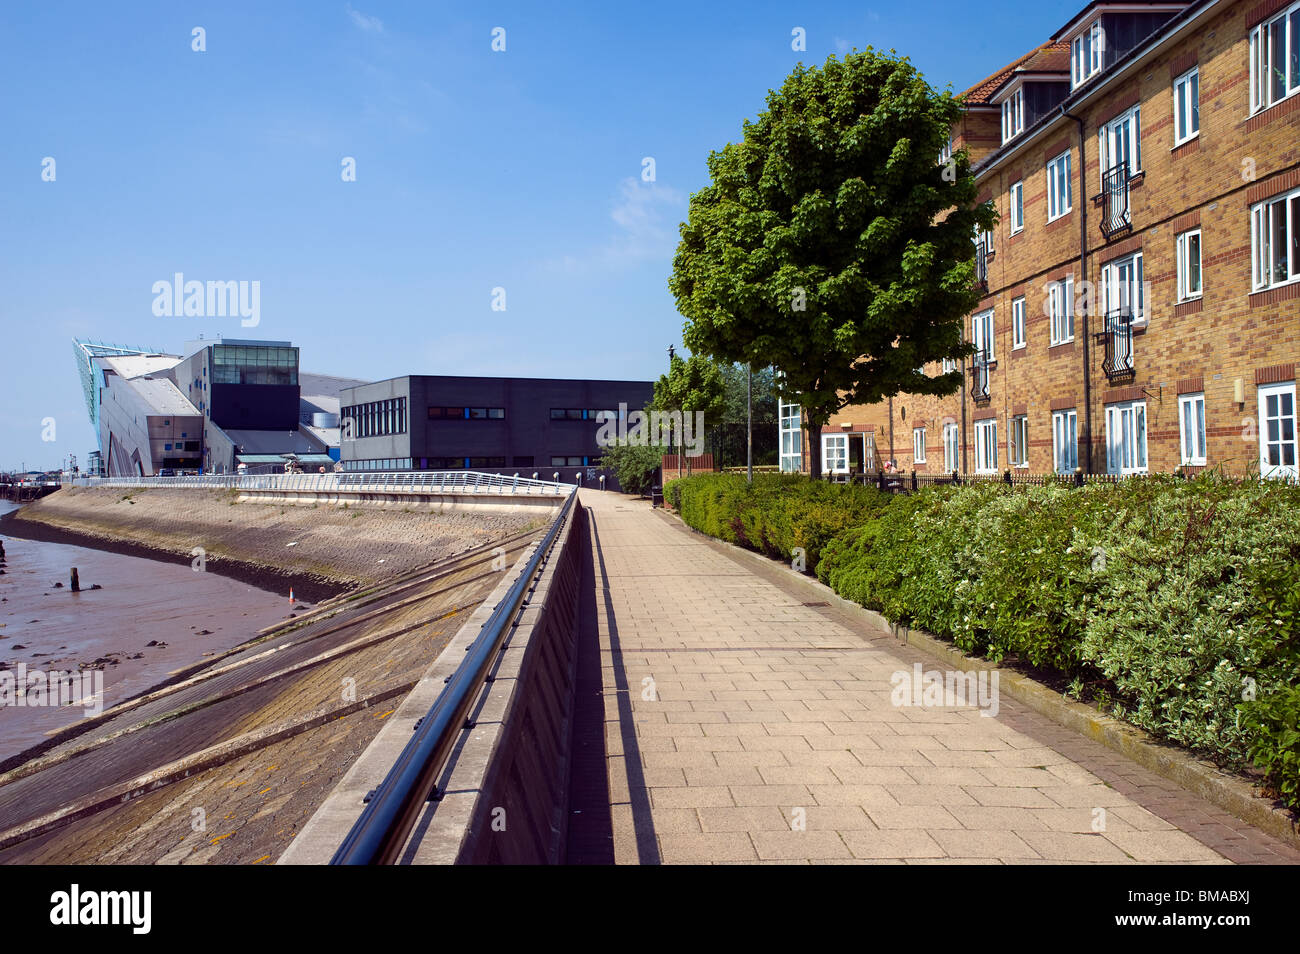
(318, 548)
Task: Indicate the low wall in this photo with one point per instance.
(485, 502)
(506, 783)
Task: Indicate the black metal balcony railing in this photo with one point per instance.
(982, 256)
(1117, 339)
(1115, 214)
(979, 368)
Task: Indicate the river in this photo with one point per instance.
(185, 614)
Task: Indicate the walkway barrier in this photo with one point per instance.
(381, 832)
(414, 482)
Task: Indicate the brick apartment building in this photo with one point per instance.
(1142, 286)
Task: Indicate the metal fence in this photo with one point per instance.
(907, 482)
(411, 482)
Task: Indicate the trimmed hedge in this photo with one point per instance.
(1174, 603)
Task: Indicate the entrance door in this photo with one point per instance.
(835, 453)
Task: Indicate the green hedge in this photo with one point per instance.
(774, 515)
(1174, 603)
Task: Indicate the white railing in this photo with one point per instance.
(411, 482)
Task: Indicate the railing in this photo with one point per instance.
(901, 482)
(386, 822)
(979, 369)
(1115, 214)
(423, 481)
(1117, 343)
(982, 256)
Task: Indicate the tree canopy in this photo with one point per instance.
(831, 244)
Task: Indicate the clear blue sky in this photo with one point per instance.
(475, 169)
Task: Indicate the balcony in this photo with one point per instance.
(983, 256)
(1116, 216)
(1117, 342)
(979, 369)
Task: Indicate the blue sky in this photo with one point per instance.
(475, 170)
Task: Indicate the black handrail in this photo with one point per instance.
(979, 368)
(1117, 338)
(379, 835)
(1114, 198)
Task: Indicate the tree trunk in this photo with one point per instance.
(815, 450)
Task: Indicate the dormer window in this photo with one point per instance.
(1013, 115)
(1086, 54)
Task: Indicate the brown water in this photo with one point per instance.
(195, 614)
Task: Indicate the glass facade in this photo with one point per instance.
(253, 364)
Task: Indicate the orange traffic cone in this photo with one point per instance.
(291, 599)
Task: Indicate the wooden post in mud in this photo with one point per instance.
(76, 583)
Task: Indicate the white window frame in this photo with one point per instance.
(1013, 115)
(1060, 311)
(835, 453)
(1018, 339)
(1058, 178)
(986, 446)
(1187, 248)
(1263, 220)
(1191, 428)
(1086, 54)
(1065, 440)
(1017, 204)
(951, 447)
(1262, 95)
(1126, 438)
(1123, 280)
(918, 445)
(945, 153)
(790, 428)
(1018, 440)
(1187, 106)
(982, 334)
(1120, 139)
(950, 365)
(1284, 392)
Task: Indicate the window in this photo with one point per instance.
(1017, 207)
(1019, 450)
(1277, 436)
(1275, 59)
(1126, 438)
(945, 153)
(1060, 310)
(986, 446)
(835, 453)
(981, 335)
(984, 240)
(949, 365)
(1120, 143)
(1275, 240)
(918, 445)
(1191, 427)
(1065, 441)
(1086, 54)
(791, 434)
(1189, 265)
(1013, 115)
(1017, 323)
(521, 462)
(1122, 287)
(951, 448)
(1060, 196)
(1187, 106)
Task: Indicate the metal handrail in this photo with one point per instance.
(980, 375)
(1117, 338)
(380, 833)
(425, 481)
(1114, 198)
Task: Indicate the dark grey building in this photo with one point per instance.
(496, 425)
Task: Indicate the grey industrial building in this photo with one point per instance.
(496, 425)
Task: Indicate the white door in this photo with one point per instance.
(1277, 436)
(835, 453)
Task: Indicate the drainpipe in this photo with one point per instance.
(1083, 277)
(891, 427)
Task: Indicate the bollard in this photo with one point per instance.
(602, 487)
(76, 581)
(1078, 476)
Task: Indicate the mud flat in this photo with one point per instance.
(320, 550)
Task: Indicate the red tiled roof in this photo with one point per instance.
(1048, 58)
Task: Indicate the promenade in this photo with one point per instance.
(742, 724)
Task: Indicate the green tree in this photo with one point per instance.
(831, 245)
(635, 465)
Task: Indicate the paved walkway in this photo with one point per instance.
(742, 725)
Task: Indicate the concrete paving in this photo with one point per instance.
(742, 725)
